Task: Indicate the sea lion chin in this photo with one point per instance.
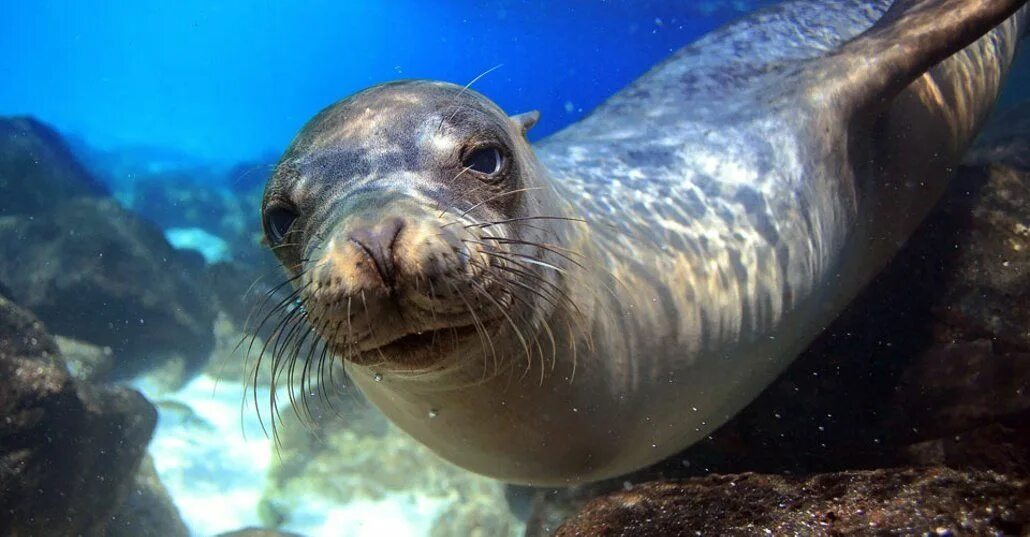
(583, 308)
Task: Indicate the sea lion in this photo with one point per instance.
(579, 310)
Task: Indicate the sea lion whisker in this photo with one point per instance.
(254, 309)
(551, 300)
(526, 218)
(325, 361)
(466, 196)
(274, 333)
(466, 88)
(528, 259)
(455, 178)
(314, 327)
(504, 283)
(284, 355)
(498, 196)
(559, 250)
(541, 245)
(307, 380)
(484, 336)
(504, 312)
(553, 290)
(371, 330)
(279, 337)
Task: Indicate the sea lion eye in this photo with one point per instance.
(486, 160)
(278, 221)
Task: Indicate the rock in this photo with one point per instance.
(68, 451)
(1002, 447)
(180, 199)
(987, 289)
(37, 169)
(925, 501)
(241, 291)
(85, 361)
(95, 272)
(1005, 140)
(147, 511)
(203, 210)
(960, 386)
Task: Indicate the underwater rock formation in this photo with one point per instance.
(220, 205)
(909, 376)
(68, 450)
(1007, 139)
(90, 269)
(925, 501)
(147, 510)
(37, 169)
(93, 271)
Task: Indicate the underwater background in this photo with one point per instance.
(135, 140)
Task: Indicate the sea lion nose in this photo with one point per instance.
(378, 241)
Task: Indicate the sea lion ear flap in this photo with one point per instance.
(910, 38)
(526, 120)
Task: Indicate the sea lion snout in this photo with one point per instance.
(390, 273)
(377, 242)
(392, 254)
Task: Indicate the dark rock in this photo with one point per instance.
(179, 199)
(85, 361)
(926, 501)
(198, 200)
(37, 169)
(956, 387)
(68, 451)
(987, 293)
(552, 507)
(242, 292)
(1002, 447)
(1006, 139)
(95, 272)
(147, 511)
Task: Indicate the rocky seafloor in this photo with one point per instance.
(125, 286)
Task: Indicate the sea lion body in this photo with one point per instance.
(736, 197)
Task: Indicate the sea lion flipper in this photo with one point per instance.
(911, 37)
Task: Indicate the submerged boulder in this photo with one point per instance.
(95, 272)
(926, 501)
(90, 269)
(37, 169)
(147, 510)
(68, 451)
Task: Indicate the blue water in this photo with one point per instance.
(230, 81)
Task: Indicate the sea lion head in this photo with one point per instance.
(403, 215)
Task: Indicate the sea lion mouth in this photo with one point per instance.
(421, 347)
(425, 339)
